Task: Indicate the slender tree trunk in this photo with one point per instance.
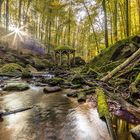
(115, 20)
(69, 25)
(7, 14)
(26, 13)
(1, 1)
(138, 3)
(105, 23)
(19, 13)
(127, 18)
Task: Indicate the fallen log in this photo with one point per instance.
(121, 66)
(103, 110)
(4, 113)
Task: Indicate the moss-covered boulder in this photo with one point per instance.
(16, 87)
(11, 68)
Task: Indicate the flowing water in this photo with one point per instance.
(54, 117)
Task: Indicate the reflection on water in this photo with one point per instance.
(54, 117)
(122, 129)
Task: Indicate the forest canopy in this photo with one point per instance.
(85, 25)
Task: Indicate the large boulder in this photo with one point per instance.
(136, 132)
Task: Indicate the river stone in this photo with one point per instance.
(136, 132)
(16, 87)
(51, 89)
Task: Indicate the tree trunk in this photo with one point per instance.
(7, 14)
(115, 20)
(127, 18)
(1, 1)
(19, 13)
(105, 23)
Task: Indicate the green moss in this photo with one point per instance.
(11, 68)
(16, 87)
(102, 103)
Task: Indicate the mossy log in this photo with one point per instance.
(81, 97)
(102, 103)
(4, 113)
(121, 66)
(103, 111)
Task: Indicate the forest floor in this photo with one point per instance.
(116, 70)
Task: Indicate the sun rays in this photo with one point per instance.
(17, 33)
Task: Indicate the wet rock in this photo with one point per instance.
(51, 89)
(16, 87)
(136, 132)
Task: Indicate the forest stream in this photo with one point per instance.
(54, 117)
